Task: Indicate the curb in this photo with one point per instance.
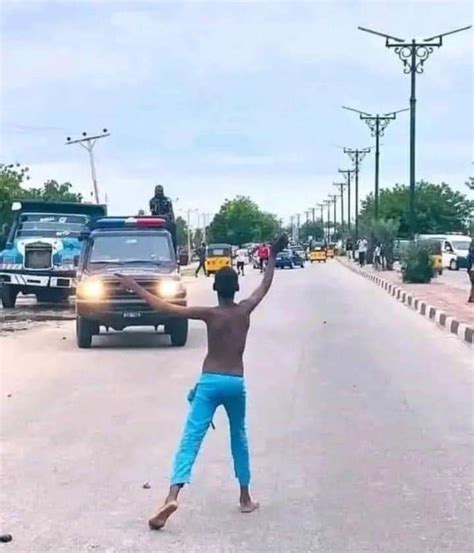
(463, 331)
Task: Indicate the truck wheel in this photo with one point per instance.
(179, 332)
(85, 329)
(9, 294)
(453, 265)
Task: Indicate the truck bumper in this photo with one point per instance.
(121, 315)
(31, 280)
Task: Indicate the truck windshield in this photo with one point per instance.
(137, 248)
(48, 225)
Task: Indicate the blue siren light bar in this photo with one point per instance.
(130, 222)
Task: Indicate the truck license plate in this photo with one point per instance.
(131, 314)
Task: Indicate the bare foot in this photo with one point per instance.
(159, 520)
(248, 506)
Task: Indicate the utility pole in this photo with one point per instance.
(357, 156)
(321, 207)
(292, 222)
(313, 217)
(413, 55)
(333, 198)
(377, 124)
(88, 143)
(347, 174)
(341, 186)
(328, 205)
(188, 222)
(298, 223)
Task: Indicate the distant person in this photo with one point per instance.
(201, 253)
(241, 258)
(222, 380)
(349, 248)
(378, 257)
(363, 245)
(470, 270)
(161, 205)
(263, 256)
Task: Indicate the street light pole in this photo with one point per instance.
(413, 55)
(356, 156)
(347, 174)
(377, 124)
(88, 143)
(341, 186)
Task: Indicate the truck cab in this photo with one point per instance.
(140, 247)
(42, 247)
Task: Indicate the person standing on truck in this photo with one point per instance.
(161, 205)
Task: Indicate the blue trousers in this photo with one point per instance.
(213, 390)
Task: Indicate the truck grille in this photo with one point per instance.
(38, 256)
(114, 291)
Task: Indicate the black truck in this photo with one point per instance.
(140, 247)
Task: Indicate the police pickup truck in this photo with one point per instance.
(41, 249)
(142, 248)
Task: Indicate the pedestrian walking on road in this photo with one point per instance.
(349, 248)
(201, 252)
(470, 270)
(222, 380)
(378, 257)
(363, 245)
(241, 257)
(263, 256)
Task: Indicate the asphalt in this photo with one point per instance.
(360, 422)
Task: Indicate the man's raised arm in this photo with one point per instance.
(259, 293)
(199, 313)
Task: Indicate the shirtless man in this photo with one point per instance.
(221, 382)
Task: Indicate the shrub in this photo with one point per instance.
(417, 264)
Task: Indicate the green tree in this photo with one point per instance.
(181, 231)
(383, 232)
(470, 183)
(315, 230)
(240, 221)
(438, 208)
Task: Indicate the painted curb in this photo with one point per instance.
(463, 331)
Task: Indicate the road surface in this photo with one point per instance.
(359, 416)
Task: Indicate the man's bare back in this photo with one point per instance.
(227, 329)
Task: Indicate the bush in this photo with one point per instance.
(417, 264)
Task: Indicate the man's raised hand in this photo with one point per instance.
(279, 243)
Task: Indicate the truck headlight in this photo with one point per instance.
(168, 288)
(91, 289)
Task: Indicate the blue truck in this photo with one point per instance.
(43, 248)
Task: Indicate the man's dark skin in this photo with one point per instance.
(227, 328)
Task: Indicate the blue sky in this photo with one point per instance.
(214, 99)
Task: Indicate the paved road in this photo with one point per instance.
(360, 424)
